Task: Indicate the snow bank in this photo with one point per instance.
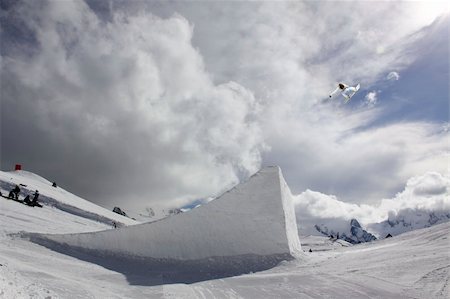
(254, 221)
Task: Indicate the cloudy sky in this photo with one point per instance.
(138, 103)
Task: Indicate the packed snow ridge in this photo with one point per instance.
(252, 225)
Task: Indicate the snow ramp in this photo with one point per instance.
(253, 224)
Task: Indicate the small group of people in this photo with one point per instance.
(32, 201)
(14, 194)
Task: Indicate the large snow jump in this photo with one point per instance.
(253, 223)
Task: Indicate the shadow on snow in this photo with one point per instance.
(152, 272)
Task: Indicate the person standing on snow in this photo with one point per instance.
(16, 192)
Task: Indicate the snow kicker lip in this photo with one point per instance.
(151, 271)
(249, 228)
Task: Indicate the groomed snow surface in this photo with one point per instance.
(411, 265)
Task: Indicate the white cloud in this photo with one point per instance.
(129, 107)
(429, 191)
(339, 47)
(393, 76)
(424, 193)
(371, 98)
(446, 127)
(333, 152)
(170, 107)
(292, 66)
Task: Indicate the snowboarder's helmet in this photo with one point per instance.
(341, 86)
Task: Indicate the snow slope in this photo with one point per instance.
(318, 243)
(58, 197)
(412, 265)
(253, 223)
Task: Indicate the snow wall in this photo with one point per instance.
(253, 222)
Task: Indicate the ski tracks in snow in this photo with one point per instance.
(205, 290)
(435, 282)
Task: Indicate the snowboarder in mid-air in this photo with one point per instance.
(346, 91)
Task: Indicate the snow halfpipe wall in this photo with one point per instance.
(254, 220)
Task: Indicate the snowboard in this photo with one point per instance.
(35, 204)
(351, 94)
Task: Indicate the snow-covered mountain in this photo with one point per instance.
(408, 220)
(354, 234)
(405, 221)
(424, 202)
(149, 214)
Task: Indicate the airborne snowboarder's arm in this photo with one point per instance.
(335, 91)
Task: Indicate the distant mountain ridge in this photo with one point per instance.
(149, 214)
(407, 220)
(356, 234)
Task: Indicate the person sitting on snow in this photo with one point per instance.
(35, 196)
(27, 200)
